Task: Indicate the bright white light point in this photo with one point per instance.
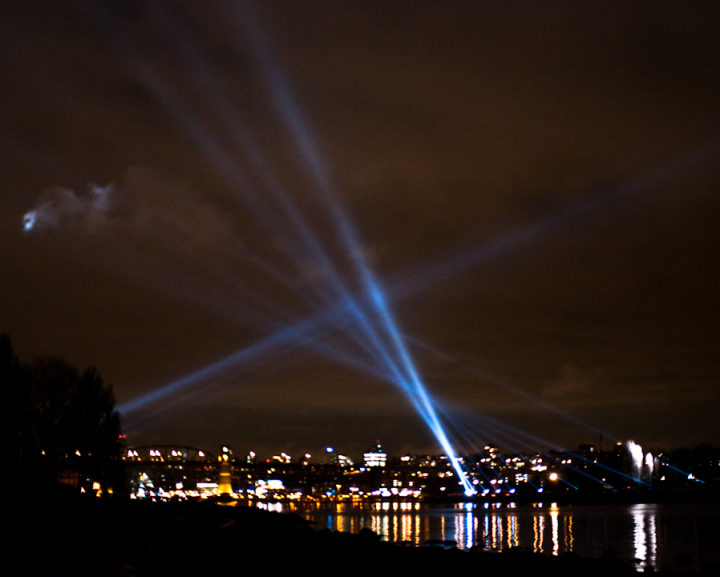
(29, 220)
(329, 449)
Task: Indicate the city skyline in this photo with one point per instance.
(289, 222)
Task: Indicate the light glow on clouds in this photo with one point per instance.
(59, 207)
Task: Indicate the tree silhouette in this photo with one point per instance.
(63, 422)
(15, 402)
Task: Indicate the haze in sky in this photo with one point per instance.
(200, 201)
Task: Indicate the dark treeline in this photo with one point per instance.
(61, 424)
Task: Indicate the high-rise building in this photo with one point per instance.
(375, 456)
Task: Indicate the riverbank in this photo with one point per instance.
(63, 535)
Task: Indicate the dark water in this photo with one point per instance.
(655, 535)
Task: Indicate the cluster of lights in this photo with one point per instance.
(407, 483)
(386, 493)
(282, 458)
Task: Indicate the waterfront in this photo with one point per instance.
(654, 534)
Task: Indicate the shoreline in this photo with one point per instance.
(88, 536)
(665, 497)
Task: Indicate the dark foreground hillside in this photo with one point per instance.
(63, 535)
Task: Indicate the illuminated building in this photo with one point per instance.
(224, 477)
(165, 471)
(375, 456)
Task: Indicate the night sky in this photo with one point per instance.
(534, 186)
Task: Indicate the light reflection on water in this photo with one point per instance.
(652, 534)
(645, 533)
(554, 523)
